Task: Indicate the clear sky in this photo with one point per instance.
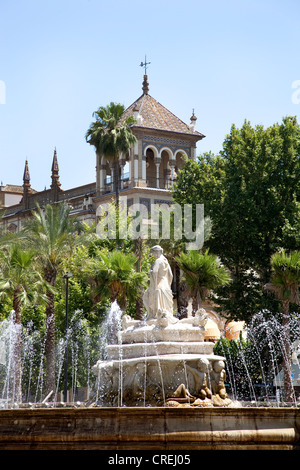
(60, 60)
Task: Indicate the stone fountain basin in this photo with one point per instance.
(150, 359)
(162, 360)
(150, 375)
(141, 350)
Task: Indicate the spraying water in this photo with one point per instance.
(32, 364)
(254, 366)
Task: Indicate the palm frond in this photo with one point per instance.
(109, 134)
(285, 279)
(203, 272)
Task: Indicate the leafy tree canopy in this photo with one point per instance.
(251, 192)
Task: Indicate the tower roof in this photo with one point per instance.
(153, 115)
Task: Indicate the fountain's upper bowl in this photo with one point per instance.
(159, 348)
(163, 329)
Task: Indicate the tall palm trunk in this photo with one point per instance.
(50, 277)
(117, 182)
(17, 346)
(288, 385)
(196, 302)
(194, 305)
(180, 288)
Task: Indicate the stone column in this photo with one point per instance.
(157, 164)
(172, 166)
(144, 169)
(130, 173)
(136, 164)
(136, 170)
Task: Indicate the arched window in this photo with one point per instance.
(150, 168)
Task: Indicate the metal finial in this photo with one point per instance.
(144, 64)
(193, 117)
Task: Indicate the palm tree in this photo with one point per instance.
(285, 283)
(111, 136)
(113, 276)
(203, 272)
(19, 280)
(53, 234)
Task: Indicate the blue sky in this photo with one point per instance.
(61, 59)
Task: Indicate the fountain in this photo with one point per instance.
(158, 386)
(161, 360)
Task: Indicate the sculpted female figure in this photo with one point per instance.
(159, 294)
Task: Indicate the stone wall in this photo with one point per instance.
(150, 428)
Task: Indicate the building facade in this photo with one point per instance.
(146, 174)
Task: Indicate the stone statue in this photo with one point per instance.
(162, 318)
(159, 294)
(218, 376)
(182, 392)
(199, 382)
(200, 378)
(200, 318)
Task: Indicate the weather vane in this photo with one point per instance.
(144, 64)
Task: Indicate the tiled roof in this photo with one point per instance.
(12, 188)
(155, 116)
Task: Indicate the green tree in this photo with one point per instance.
(201, 181)
(113, 276)
(203, 273)
(285, 283)
(111, 136)
(251, 192)
(21, 282)
(261, 190)
(52, 233)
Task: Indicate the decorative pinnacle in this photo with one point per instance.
(193, 117)
(54, 162)
(145, 87)
(55, 171)
(26, 175)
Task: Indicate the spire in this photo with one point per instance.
(55, 185)
(26, 186)
(55, 162)
(26, 175)
(55, 172)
